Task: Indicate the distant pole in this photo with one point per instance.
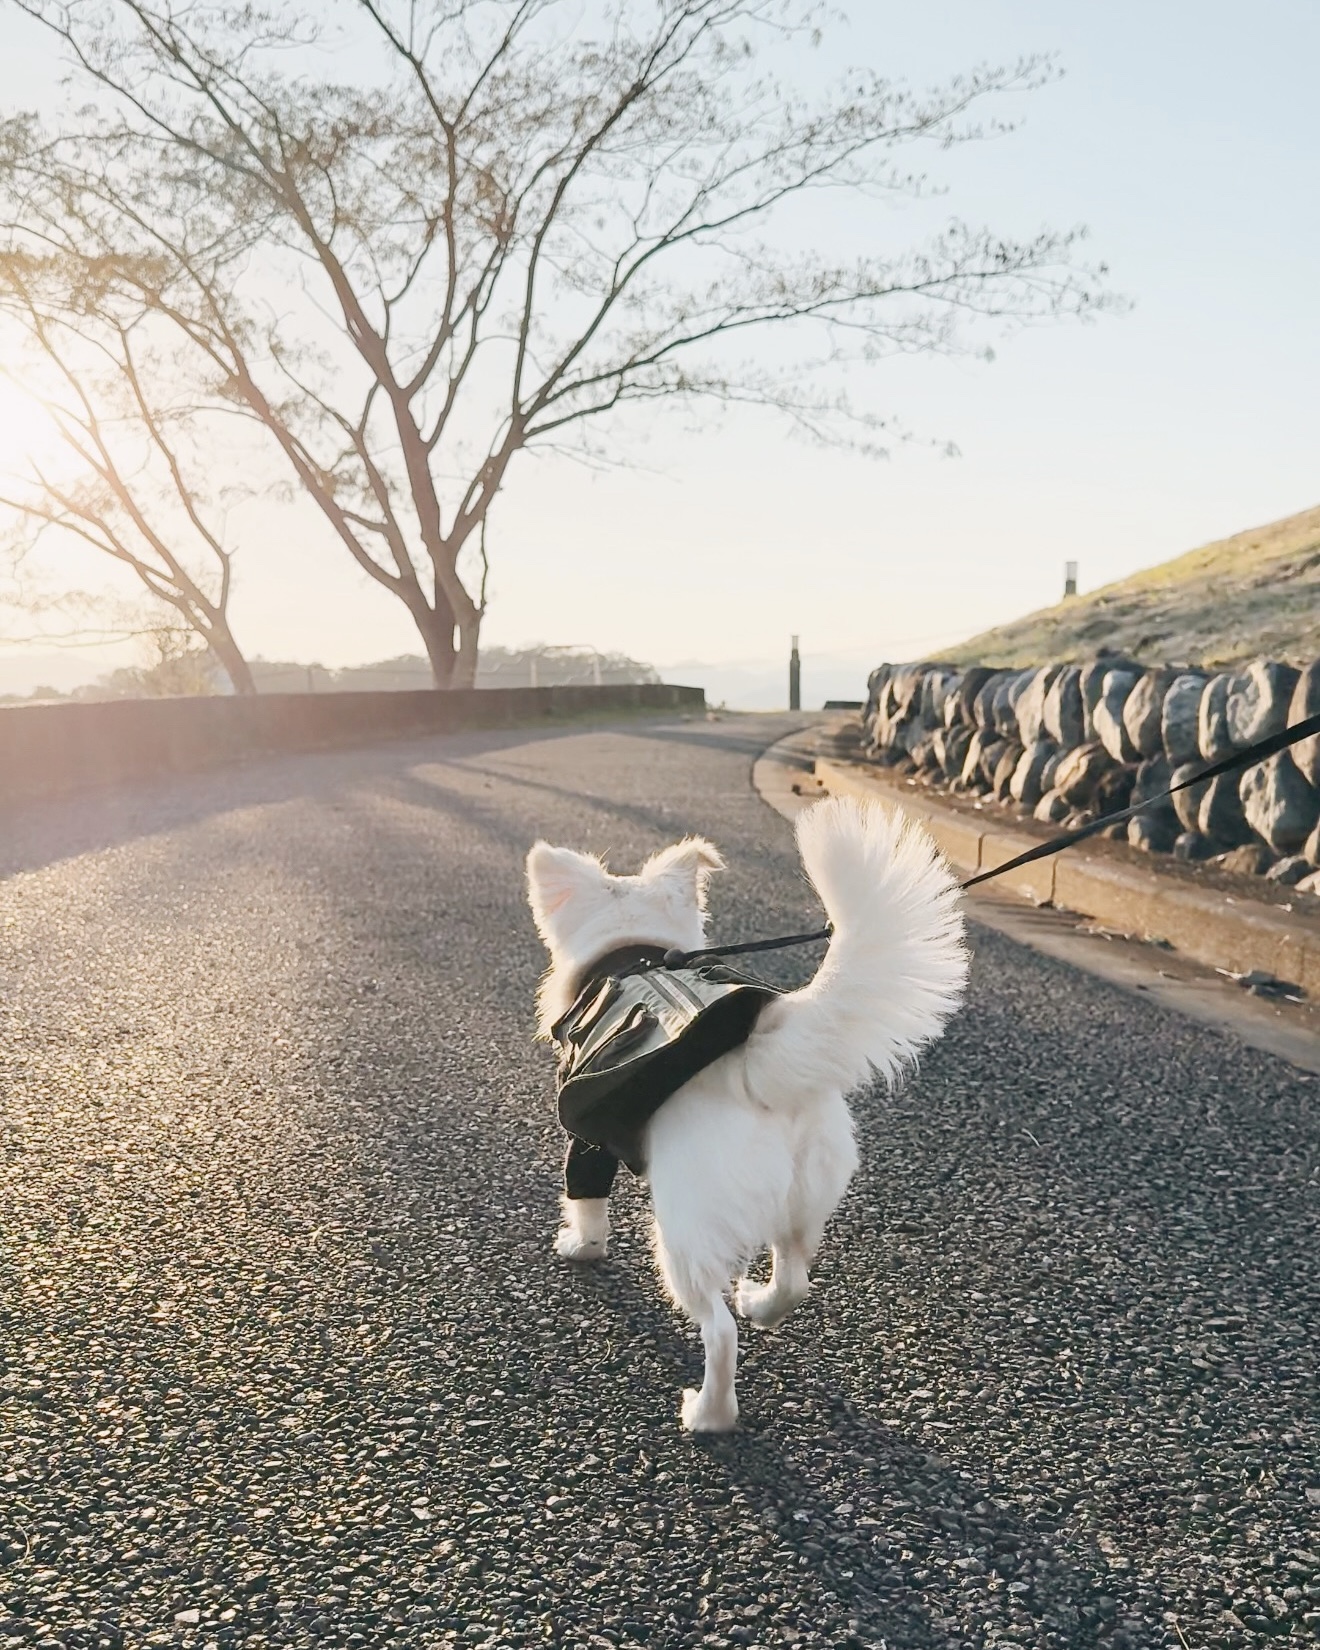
(311, 679)
(795, 678)
(1069, 578)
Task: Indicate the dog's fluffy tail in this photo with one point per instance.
(896, 964)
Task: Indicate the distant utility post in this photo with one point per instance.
(1069, 578)
(795, 678)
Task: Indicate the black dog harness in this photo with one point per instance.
(645, 1022)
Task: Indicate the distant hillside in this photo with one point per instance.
(1254, 595)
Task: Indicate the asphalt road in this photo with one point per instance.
(285, 1357)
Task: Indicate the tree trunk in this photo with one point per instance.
(220, 640)
(436, 626)
(465, 664)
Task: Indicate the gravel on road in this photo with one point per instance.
(286, 1359)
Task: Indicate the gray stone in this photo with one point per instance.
(1144, 710)
(1031, 703)
(1005, 768)
(1281, 807)
(925, 753)
(1290, 870)
(1154, 777)
(1108, 716)
(1154, 833)
(905, 685)
(992, 750)
(1258, 705)
(1052, 809)
(1306, 703)
(983, 707)
(1079, 772)
(1179, 718)
(971, 768)
(1065, 715)
(1212, 735)
(1187, 803)
(973, 680)
(1093, 681)
(956, 741)
(1051, 768)
(1221, 816)
(1113, 789)
(1309, 885)
(1027, 785)
(1005, 705)
(1311, 847)
(1253, 859)
(1191, 845)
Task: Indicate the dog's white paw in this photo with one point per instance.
(699, 1415)
(575, 1245)
(760, 1304)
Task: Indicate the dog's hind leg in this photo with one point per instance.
(768, 1304)
(819, 1182)
(715, 1407)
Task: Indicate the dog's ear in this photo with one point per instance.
(554, 876)
(692, 861)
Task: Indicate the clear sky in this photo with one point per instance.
(1184, 136)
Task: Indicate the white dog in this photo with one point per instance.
(757, 1150)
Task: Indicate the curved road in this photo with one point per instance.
(285, 1358)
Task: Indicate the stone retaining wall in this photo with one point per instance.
(1067, 743)
(55, 750)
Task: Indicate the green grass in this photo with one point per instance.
(1254, 595)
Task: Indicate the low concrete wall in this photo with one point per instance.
(56, 750)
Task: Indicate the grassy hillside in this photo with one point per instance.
(1256, 594)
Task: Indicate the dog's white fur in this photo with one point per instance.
(757, 1150)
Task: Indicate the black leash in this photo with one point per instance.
(1261, 751)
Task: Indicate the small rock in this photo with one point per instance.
(1309, 885)
(1052, 809)
(1153, 833)
(1192, 845)
(1253, 859)
(1113, 789)
(188, 1618)
(1289, 871)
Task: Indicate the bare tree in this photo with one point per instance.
(124, 475)
(500, 223)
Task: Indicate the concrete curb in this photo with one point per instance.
(1217, 929)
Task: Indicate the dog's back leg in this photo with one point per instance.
(768, 1304)
(826, 1164)
(715, 1407)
